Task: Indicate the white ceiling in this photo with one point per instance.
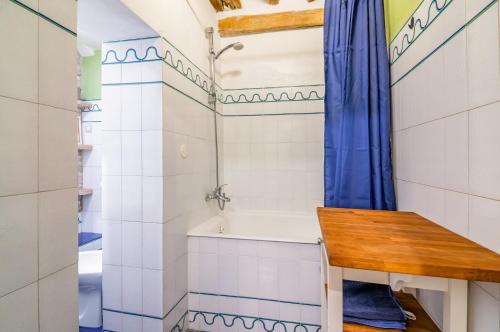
(106, 20)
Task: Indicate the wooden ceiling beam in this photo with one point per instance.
(233, 4)
(219, 5)
(250, 24)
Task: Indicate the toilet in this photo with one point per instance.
(90, 288)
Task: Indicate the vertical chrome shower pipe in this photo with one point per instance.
(212, 96)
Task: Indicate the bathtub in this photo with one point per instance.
(255, 271)
(261, 226)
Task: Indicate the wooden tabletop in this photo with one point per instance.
(403, 242)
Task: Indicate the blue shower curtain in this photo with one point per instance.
(358, 171)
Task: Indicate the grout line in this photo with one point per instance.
(38, 172)
(447, 116)
(446, 189)
(38, 280)
(255, 298)
(43, 16)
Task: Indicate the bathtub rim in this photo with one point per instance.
(201, 231)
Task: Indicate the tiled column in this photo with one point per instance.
(132, 187)
(157, 167)
(38, 166)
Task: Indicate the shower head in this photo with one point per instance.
(236, 46)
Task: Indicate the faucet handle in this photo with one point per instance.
(220, 187)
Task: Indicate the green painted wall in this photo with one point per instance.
(397, 13)
(91, 77)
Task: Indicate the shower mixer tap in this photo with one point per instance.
(218, 194)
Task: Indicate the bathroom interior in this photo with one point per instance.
(193, 165)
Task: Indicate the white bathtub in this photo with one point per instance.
(255, 271)
(261, 225)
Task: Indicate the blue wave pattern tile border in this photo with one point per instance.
(425, 14)
(171, 56)
(274, 94)
(92, 108)
(451, 37)
(179, 326)
(250, 322)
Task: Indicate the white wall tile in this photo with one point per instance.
(152, 293)
(19, 66)
(483, 53)
(289, 312)
(19, 310)
(111, 287)
(310, 278)
(208, 268)
(112, 103)
(152, 246)
(491, 288)
(484, 219)
(152, 199)
(59, 301)
(112, 320)
(289, 280)
(268, 278)
(132, 198)
(57, 230)
(248, 270)
(112, 242)
(208, 245)
(18, 127)
(131, 153)
(132, 244)
(152, 107)
(456, 216)
(131, 107)
(131, 323)
(456, 153)
(152, 157)
(111, 197)
(18, 249)
(57, 66)
(484, 154)
(151, 71)
(151, 324)
(131, 72)
(111, 153)
(228, 274)
(132, 290)
(484, 311)
(57, 148)
(111, 73)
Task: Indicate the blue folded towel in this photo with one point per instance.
(372, 305)
(86, 237)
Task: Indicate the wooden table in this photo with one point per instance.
(401, 249)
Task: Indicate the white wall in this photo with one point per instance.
(446, 115)
(273, 123)
(38, 167)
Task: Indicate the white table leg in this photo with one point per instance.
(455, 306)
(335, 299)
